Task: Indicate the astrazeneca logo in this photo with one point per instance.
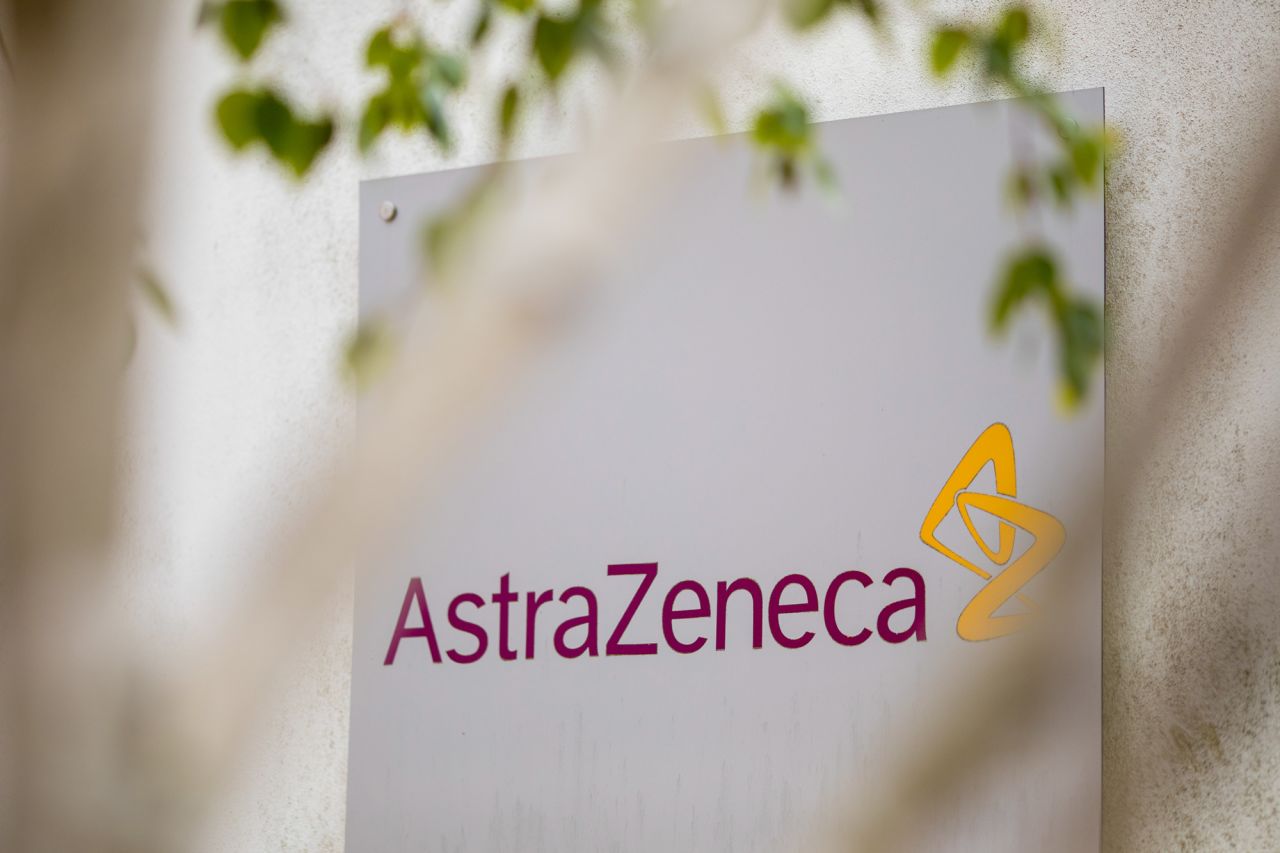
(795, 609)
(978, 620)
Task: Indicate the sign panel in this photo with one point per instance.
(771, 490)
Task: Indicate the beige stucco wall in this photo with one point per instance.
(234, 406)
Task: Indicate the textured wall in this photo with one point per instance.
(265, 273)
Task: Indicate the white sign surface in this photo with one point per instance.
(730, 533)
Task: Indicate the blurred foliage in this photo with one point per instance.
(508, 114)
(803, 14)
(248, 116)
(448, 235)
(368, 353)
(157, 297)
(420, 81)
(783, 132)
(559, 40)
(1032, 277)
(243, 23)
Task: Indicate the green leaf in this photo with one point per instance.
(450, 69)
(404, 104)
(1032, 273)
(453, 233)
(401, 54)
(306, 143)
(373, 121)
(803, 14)
(1080, 332)
(157, 297)
(1022, 188)
(381, 50)
(554, 44)
(247, 117)
(1062, 179)
(712, 110)
(869, 8)
(784, 126)
(508, 113)
(480, 29)
(434, 117)
(245, 24)
(946, 49)
(1086, 157)
(275, 123)
(368, 353)
(520, 6)
(237, 114)
(1014, 26)
(998, 56)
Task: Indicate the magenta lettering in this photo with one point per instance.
(413, 595)
(683, 624)
(670, 614)
(615, 646)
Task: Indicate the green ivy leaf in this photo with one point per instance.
(1062, 180)
(248, 117)
(237, 117)
(418, 81)
(368, 353)
(1014, 26)
(1086, 157)
(998, 56)
(305, 144)
(870, 9)
(449, 69)
(1029, 274)
(947, 47)
(245, 24)
(380, 51)
(784, 126)
(434, 117)
(712, 110)
(480, 29)
(158, 297)
(1080, 332)
(452, 234)
(508, 114)
(373, 121)
(1033, 276)
(803, 14)
(1022, 188)
(553, 43)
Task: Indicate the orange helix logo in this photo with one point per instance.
(978, 620)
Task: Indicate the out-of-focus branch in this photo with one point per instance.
(488, 323)
(73, 164)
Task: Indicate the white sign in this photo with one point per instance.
(740, 522)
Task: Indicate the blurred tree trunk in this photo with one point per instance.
(73, 160)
